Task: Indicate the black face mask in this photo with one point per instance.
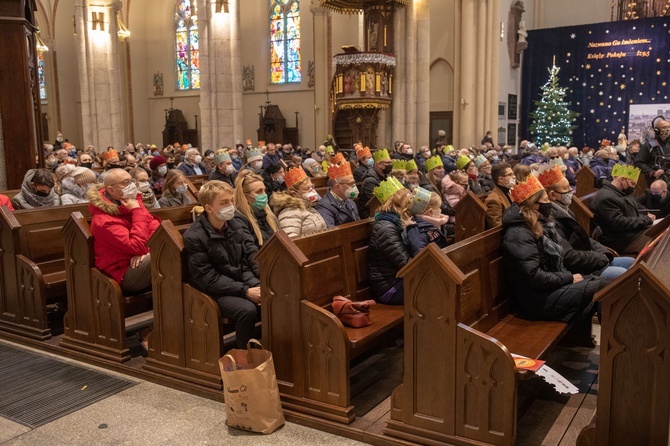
(628, 191)
(545, 209)
(39, 193)
(86, 165)
(114, 166)
(170, 165)
(387, 169)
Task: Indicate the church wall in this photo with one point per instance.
(573, 12)
(142, 77)
(442, 55)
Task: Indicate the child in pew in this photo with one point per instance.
(542, 288)
(174, 192)
(430, 225)
(220, 259)
(253, 211)
(387, 252)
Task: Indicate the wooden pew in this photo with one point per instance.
(582, 212)
(196, 182)
(96, 320)
(187, 337)
(470, 217)
(634, 372)
(319, 182)
(459, 385)
(312, 349)
(32, 267)
(585, 180)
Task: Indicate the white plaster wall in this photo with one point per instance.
(573, 12)
(142, 79)
(442, 55)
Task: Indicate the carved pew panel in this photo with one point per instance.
(585, 180)
(583, 213)
(470, 217)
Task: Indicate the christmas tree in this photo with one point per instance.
(551, 120)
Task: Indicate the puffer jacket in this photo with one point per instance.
(387, 253)
(337, 212)
(617, 215)
(451, 191)
(220, 263)
(582, 254)
(168, 199)
(370, 181)
(216, 174)
(420, 234)
(541, 288)
(119, 234)
(295, 217)
(261, 219)
(71, 192)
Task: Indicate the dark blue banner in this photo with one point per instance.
(607, 68)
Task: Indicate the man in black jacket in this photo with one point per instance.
(379, 171)
(656, 199)
(582, 254)
(616, 212)
(649, 159)
(337, 206)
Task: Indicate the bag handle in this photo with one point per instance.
(249, 344)
(232, 361)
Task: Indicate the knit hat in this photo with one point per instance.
(156, 161)
(82, 176)
(462, 161)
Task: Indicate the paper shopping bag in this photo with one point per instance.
(250, 390)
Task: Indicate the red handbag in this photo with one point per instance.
(352, 314)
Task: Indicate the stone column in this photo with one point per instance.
(99, 75)
(410, 62)
(322, 79)
(220, 75)
(399, 129)
(422, 74)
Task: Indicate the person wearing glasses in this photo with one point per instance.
(337, 206)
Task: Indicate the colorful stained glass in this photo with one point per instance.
(41, 76)
(285, 41)
(186, 44)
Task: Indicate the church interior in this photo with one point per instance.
(213, 74)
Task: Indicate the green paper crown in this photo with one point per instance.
(462, 161)
(629, 172)
(433, 162)
(387, 188)
(399, 164)
(381, 154)
(448, 148)
(411, 165)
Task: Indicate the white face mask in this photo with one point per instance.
(410, 151)
(312, 196)
(566, 198)
(130, 191)
(181, 189)
(256, 166)
(226, 214)
(197, 159)
(162, 170)
(143, 186)
(230, 169)
(351, 192)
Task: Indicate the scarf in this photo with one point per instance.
(551, 245)
(35, 200)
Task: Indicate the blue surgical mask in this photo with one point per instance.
(370, 162)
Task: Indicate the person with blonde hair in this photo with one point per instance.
(220, 259)
(175, 190)
(454, 187)
(251, 201)
(295, 208)
(387, 252)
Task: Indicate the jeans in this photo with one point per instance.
(617, 267)
(245, 314)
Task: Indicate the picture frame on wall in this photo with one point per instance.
(512, 106)
(501, 110)
(502, 136)
(511, 134)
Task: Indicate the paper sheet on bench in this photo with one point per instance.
(560, 383)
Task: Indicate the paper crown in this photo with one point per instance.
(329, 149)
(448, 149)
(462, 161)
(363, 151)
(337, 159)
(605, 143)
(108, 155)
(481, 159)
(381, 154)
(339, 171)
(549, 174)
(387, 188)
(420, 201)
(433, 162)
(221, 156)
(525, 189)
(625, 171)
(254, 154)
(411, 165)
(294, 176)
(399, 164)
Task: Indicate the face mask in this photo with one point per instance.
(162, 170)
(210, 156)
(511, 182)
(256, 166)
(387, 170)
(629, 190)
(130, 191)
(59, 139)
(351, 192)
(144, 186)
(280, 179)
(439, 174)
(197, 159)
(39, 193)
(181, 189)
(370, 162)
(545, 209)
(235, 157)
(566, 198)
(230, 169)
(260, 201)
(495, 158)
(312, 196)
(114, 166)
(226, 214)
(410, 151)
(87, 165)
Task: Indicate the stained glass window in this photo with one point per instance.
(187, 48)
(41, 76)
(285, 41)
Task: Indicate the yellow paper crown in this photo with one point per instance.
(462, 161)
(629, 172)
(387, 188)
(522, 191)
(448, 148)
(433, 162)
(549, 174)
(339, 171)
(294, 176)
(411, 165)
(399, 164)
(381, 154)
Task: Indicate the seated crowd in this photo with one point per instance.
(553, 265)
